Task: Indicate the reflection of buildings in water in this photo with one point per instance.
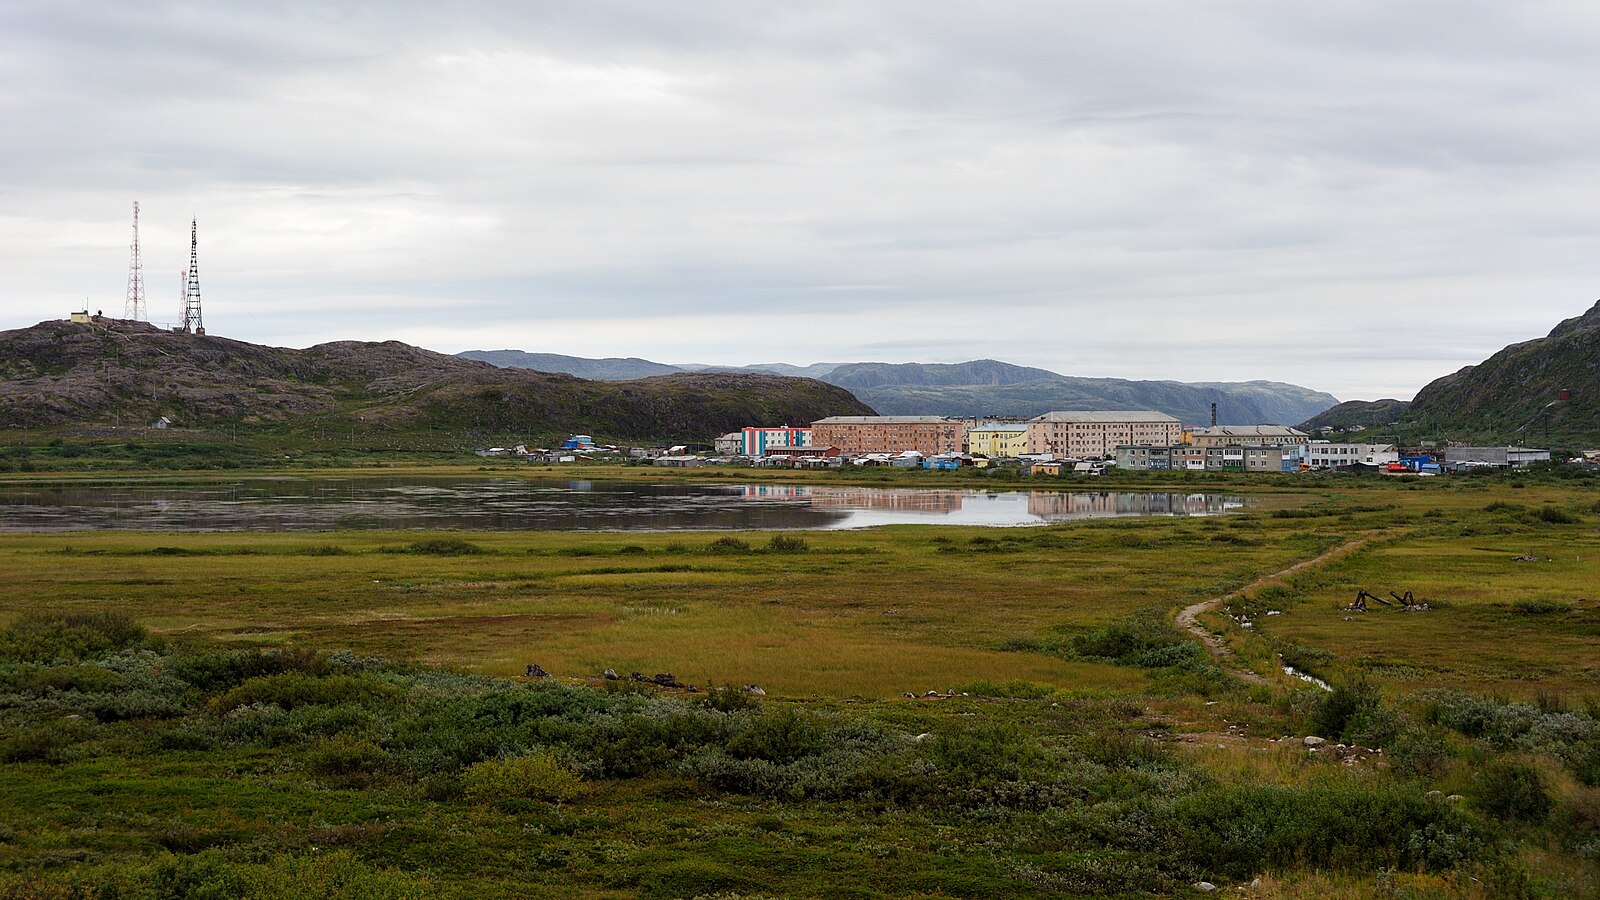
(913, 500)
(1049, 504)
(775, 492)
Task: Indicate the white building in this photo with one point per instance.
(1324, 455)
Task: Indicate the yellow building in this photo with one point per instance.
(998, 440)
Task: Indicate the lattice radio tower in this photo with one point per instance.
(136, 309)
(192, 323)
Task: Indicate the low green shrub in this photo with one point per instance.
(1238, 831)
(346, 758)
(291, 689)
(534, 776)
(1512, 791)
(1339, 707)
(39, 637)
(439, 547)
(787, 543)
(728, 544)
(53, 743)
(1555, 515)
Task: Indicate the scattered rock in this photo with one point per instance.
(1312, 740)
(1434, 794)
(73, 716)
(754, 689)
(666, 679)
(611, 675)
(931, 694)
(1454, 798)
(908, 695)
(923, 736)
(1205, 886)
(534, 670)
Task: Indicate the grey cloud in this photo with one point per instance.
(1140, 189)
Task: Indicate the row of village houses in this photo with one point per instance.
(1135, 440)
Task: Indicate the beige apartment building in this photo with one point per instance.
(1097, 433)
(858, 435)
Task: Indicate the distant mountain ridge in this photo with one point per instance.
(608, 369)
(1510, 397)
(988, 387)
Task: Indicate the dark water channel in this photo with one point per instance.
(516, 504)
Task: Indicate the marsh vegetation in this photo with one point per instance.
(344, 713)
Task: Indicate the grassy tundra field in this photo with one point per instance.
(343, 713)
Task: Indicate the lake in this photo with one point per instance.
(518, 504)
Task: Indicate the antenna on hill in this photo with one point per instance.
(191, 292)
(135, 309)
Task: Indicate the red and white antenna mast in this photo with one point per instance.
(135, 310)
(191, 291)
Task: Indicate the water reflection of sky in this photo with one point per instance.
(514, 504)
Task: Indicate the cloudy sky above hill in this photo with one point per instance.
(1358, 197)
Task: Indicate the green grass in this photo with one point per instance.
(238, 734)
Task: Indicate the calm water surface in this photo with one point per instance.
(516, 504)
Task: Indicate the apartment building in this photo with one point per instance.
(857, 435)
(1002, 439)
(1095, 433)
(1247, 436)
(755, 441)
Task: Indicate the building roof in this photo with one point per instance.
(1112, 416)
(1249, 431)
(1008, 427)
(884, 420)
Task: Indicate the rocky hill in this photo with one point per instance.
(1507, 397)
(990, 387)
(1363, 413)
(65, 374)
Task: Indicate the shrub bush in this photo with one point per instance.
(1556, 516)
(51, 742)
(346, 758)
(1512, 791)
(291, 689)
(534, 776)
(728, 544)
(1419, 751)
(1242, 830)
(211, 672)
(440, 547)
(787, 543)
(47, 638)
(1341, 705)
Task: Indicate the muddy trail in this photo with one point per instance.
(1189, 617)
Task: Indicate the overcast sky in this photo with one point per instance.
(1357, 197)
